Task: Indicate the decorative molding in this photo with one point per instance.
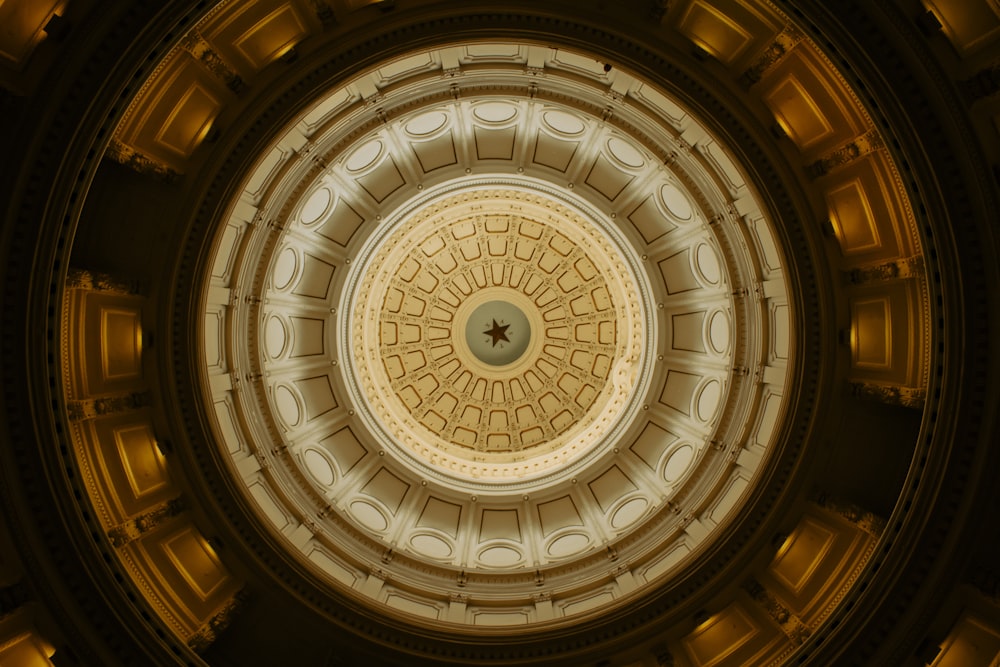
(908, 267)
(783, 43)
(94, 281)
(890, 394)
(855, 149)
(134, 528)
(139, 162)
(208, 633)
(89, 408)
(203, 52)
(867, 521)
(790, 624)
(323, 12)
(983, 84)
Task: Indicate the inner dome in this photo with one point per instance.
(510, 261)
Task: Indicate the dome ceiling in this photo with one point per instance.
(448, 333)
(404, 263)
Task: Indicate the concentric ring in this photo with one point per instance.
(443, 260)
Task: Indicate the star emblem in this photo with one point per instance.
(498, 333)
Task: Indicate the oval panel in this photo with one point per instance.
(676, 202)
(369, 515)
(499, 557)
(718, 332)
(284, 268)
(567, 545)
(495, 112)
(625, 153)
(319, 467)
(288, 407)
(628, 513)
(426, 123)
(364, 156)
(708, 400)
(708, 264)
(678, 463)
(275, 337)
(562, 122)
(431, 546)
(317, 204)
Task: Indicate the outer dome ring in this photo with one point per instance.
(727, 251)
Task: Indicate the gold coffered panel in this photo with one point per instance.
(251, 35)
(733, 31)
(24, 24)
(174, 112)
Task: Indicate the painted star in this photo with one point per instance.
(498, 333)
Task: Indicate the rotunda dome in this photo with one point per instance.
(500, 338)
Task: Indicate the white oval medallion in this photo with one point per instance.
(364, 156)
(628, 513)
(676, 201)
(567, 545)
(275, 337)
(319, 467)
(499, 557)
(369, 515)
(316, 206)
(678, 463)
(430, 545)
(495, 112)
(288, 407)
(427, 123)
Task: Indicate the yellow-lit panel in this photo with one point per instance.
(174, 113)
(800, 556)
(798, 114)
(251, 34)
(866, 210)
(720, 636)
(970, 643)
(271, 37)
(811, 102)
(189, 121)
(852, 218)
(969, 24)
(196, 562)
(144, 465)
(717, 33)
(26, 650)
(121, 343)
(871, 333)
(23, 23)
